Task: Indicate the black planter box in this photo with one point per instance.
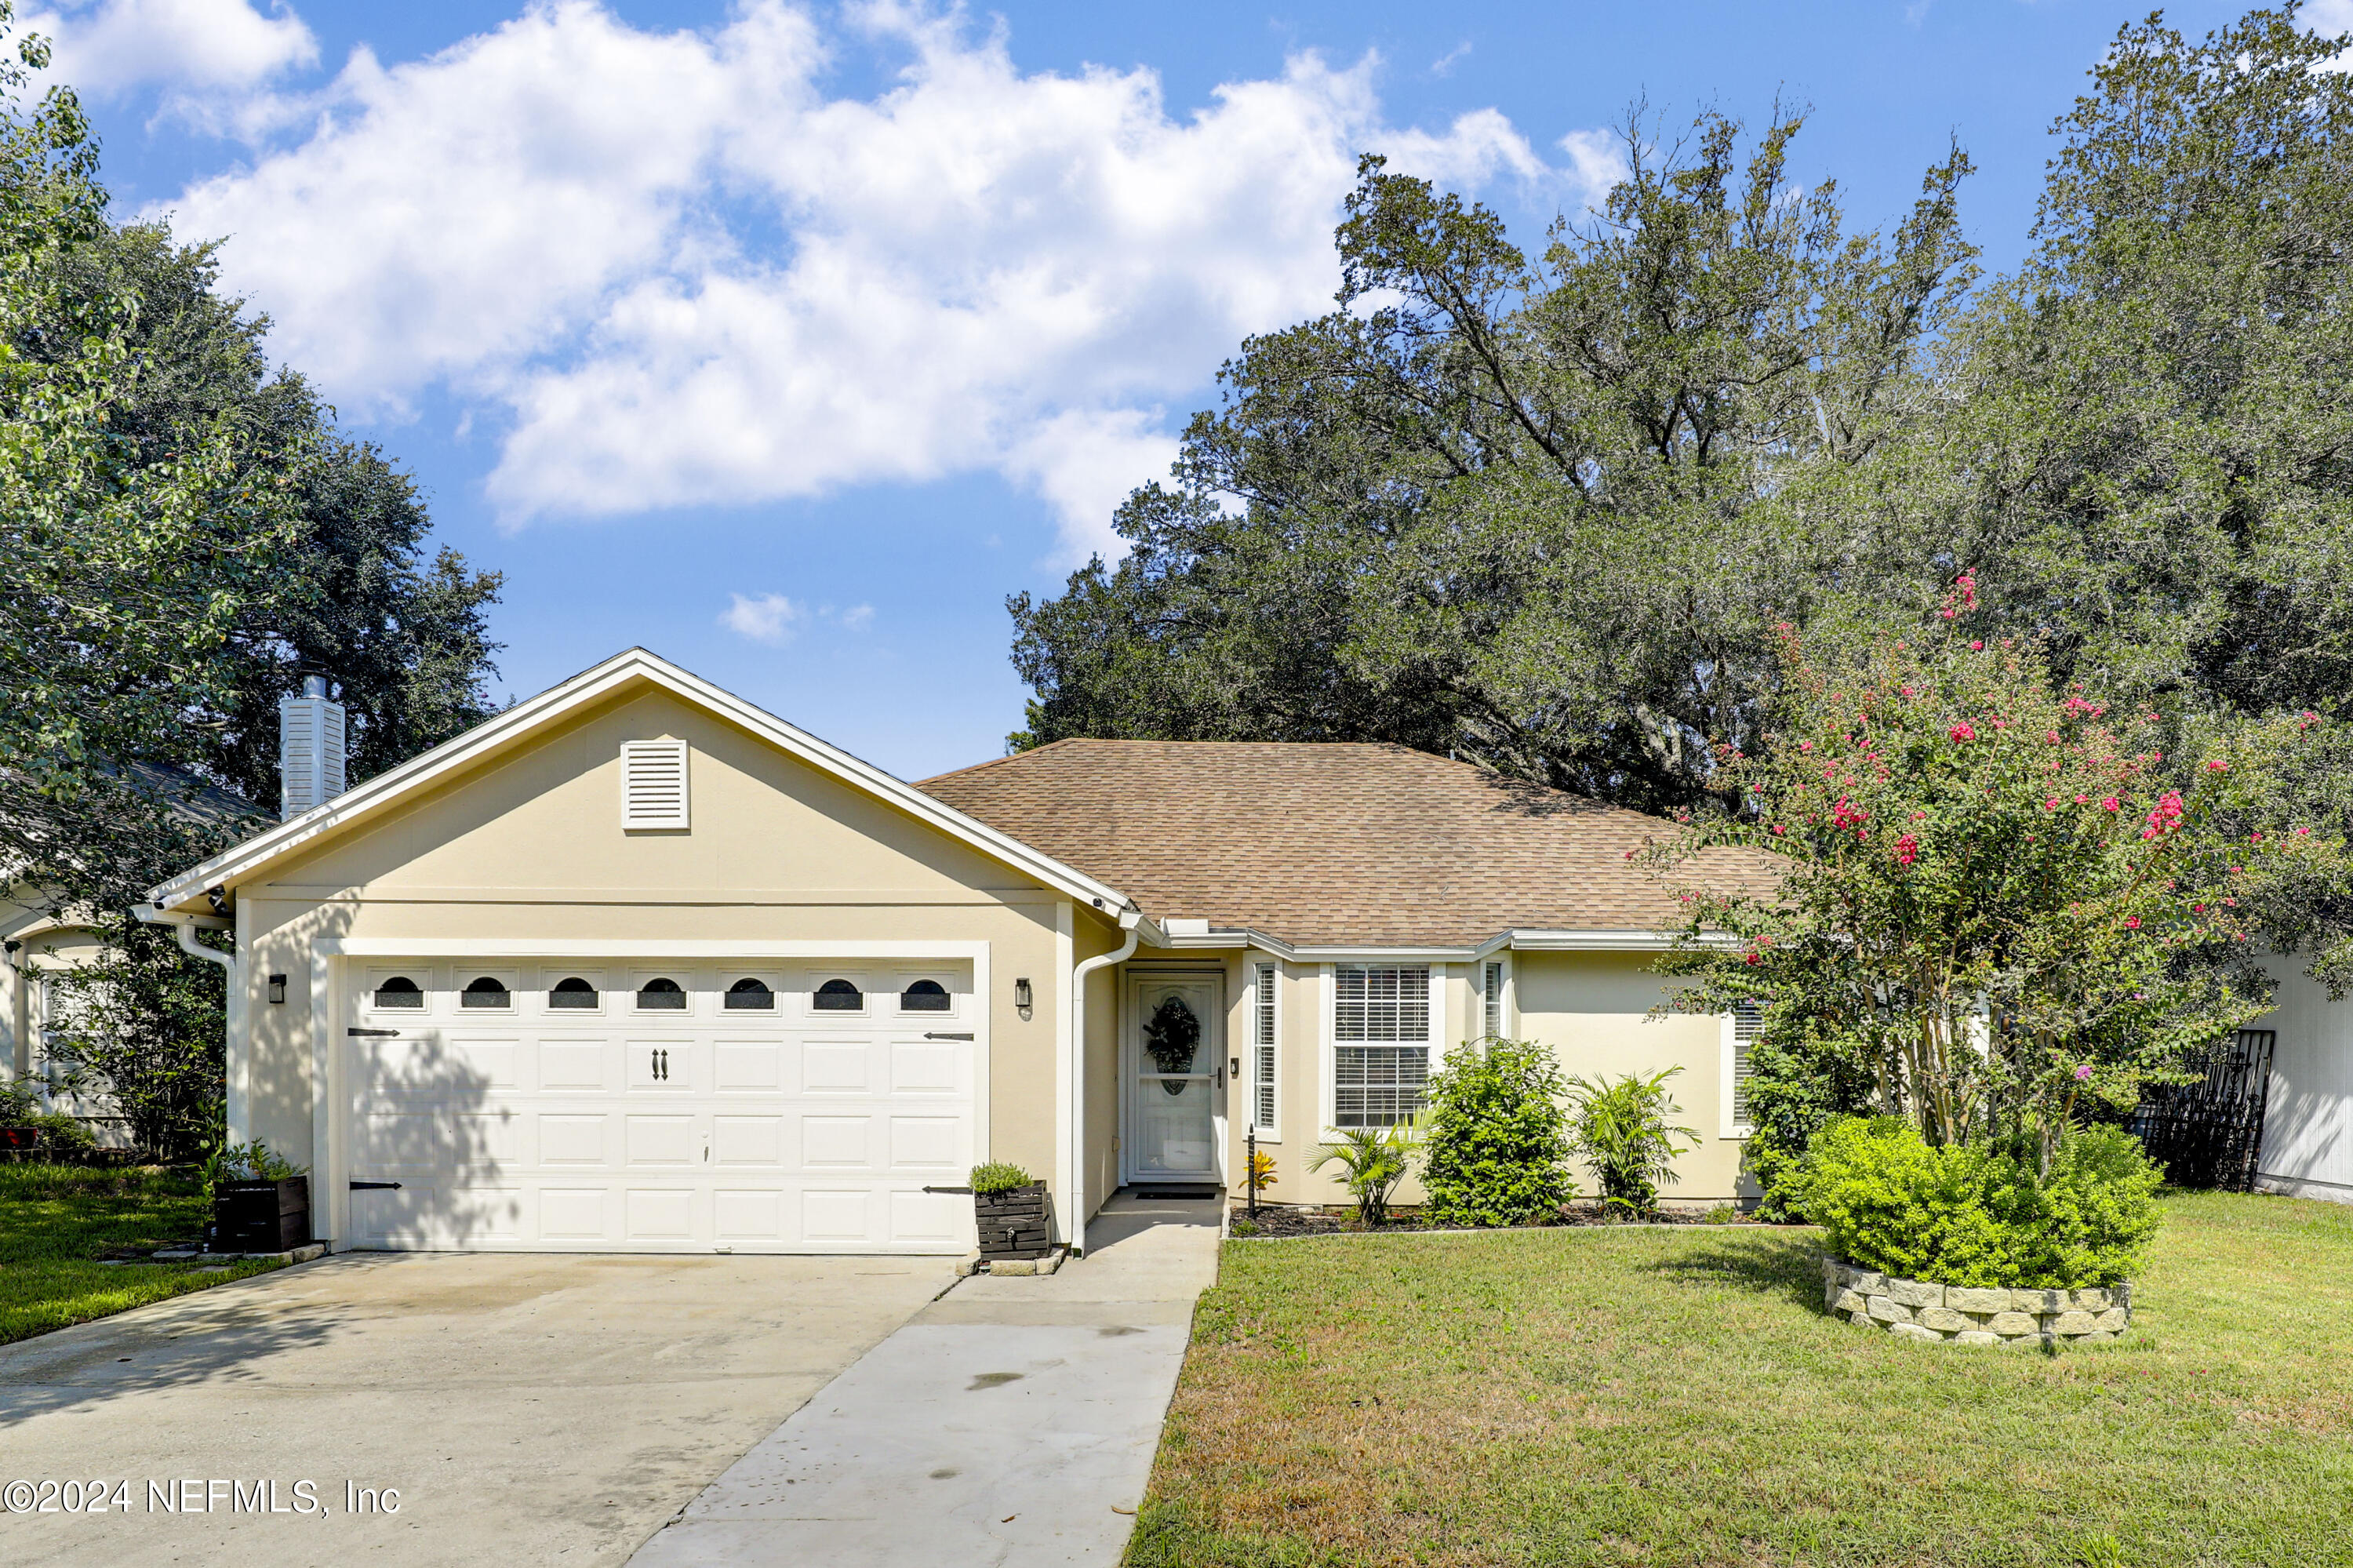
(1018, 1223)
(261, 1217)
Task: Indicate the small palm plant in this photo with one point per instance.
(1372, 1162)
(1622, 1130)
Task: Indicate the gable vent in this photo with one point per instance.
(653, 784)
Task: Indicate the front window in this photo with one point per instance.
(1380, 1053)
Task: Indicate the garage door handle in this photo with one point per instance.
(937, 1034)
(375, 1186)
(373, 1033)
(965, 1190)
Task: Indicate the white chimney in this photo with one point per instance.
(309, 748)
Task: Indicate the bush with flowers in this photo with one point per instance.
(2003, 905)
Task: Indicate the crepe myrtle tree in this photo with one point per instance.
(1999, 898)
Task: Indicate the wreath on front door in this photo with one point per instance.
(1171, 1036)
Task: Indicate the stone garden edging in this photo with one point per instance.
(1968, 1315)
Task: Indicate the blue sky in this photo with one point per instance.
(787, 340)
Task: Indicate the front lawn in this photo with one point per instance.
(56, 1221)
(1678, 1396)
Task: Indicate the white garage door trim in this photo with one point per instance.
(331, 1006)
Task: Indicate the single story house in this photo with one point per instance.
(637, 967)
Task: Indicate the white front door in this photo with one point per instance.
(1175, 1027)
(660, 1106)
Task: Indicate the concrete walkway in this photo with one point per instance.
(1011, 1420)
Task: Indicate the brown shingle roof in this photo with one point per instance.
(1329, 844)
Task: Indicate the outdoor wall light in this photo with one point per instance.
(1021, 993)
(278, 988)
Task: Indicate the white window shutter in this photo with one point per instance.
(1747, 1023)
(653, 785)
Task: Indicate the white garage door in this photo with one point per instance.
(659, 1108)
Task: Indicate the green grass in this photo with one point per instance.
(1678, 1396)
(56, 1221)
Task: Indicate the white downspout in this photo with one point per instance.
(1077, 1023)
(185, 928)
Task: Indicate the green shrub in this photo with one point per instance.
(1982, 1214)
(998, 1177)
(1497, 1148)
(1372, 1162)
(1622, 1130)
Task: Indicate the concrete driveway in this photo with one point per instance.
(526, 1409)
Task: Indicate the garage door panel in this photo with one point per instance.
(662, 1140)
(573, 1213)
(925, 1067)
(660, 1214)
(747, 1066)
(932, 1144)
(575, 1064)
(739, 1140)
(836, 1067)
(574, 1138)
(836, 1142)
(440, 1138)
(930, 1217)
(431, 1214)
(836, 1214)
(748, 1213)
(785, 1128)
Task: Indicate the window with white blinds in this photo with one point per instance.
(1491, 996)
(1747, 1023)
(1380, 1051)
(1262, 1024)
(653, 784)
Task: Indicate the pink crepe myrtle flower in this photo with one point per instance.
(2111, 804)
(1907, 850)
(1963, 732)
(2132, 922)
(2051, 804)
(2084, 1073)
(2303, 833)
(2216, 766)
(1977, 647)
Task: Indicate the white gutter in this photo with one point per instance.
(1130, 920)
(185, 928)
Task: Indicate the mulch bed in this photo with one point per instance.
(1275, 1222)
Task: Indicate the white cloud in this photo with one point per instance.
(671, 270)
(773, 619)
(767, 619)
(109, 46)
(2329, 19)
(1444, 64)
(1597, 161)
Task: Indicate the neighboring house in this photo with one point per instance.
(40, 940)
(2308, 1132)
(635, 966)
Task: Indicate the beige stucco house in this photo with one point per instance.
(637, 967)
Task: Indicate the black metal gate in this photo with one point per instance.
(2210, 1133)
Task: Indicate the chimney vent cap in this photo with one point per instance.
(314, 685)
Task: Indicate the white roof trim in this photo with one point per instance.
(240, 863)
(1178, 934)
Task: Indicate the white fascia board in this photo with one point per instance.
(241, 862)
(1518, 940)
